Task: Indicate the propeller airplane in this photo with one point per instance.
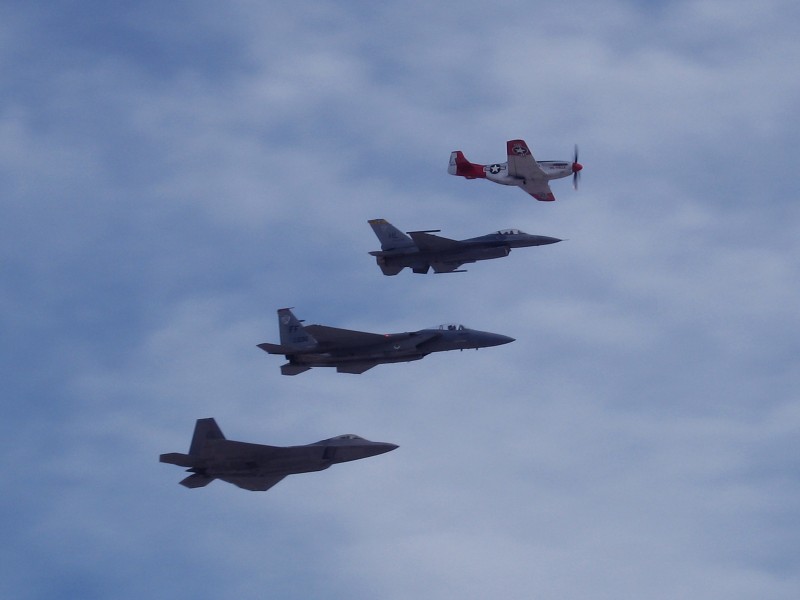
(521, 170)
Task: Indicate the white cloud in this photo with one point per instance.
(634, 440)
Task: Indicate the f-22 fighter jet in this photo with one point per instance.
(420, 250)
(357, 351)
(521, 170)
(257, 467)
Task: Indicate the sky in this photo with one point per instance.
(173, 173)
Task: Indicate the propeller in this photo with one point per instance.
(576, 169)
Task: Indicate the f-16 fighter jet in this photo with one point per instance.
(257, 467)
(520, 170)
(357, 351)
(421, 250)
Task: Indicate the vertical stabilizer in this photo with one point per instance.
(293, 334)
(391, 237)
(452, 168)
(459, 165)
(204, 431)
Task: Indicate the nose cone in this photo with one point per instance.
(383, 448)
(363, 450)
(576, 167)
(494, 339)
(544, 239)
(376, 448)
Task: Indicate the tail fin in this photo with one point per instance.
(204, 431)
(460, 166)
(391, 237)
(293, 334)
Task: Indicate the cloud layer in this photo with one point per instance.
(172, 175)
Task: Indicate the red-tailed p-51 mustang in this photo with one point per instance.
(521, 170)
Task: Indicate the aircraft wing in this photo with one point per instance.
(356, 368)
(343, 338)
(427, 242)
(255, 484)
(521, 163)
(539, 189)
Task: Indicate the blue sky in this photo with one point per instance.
(171, 175)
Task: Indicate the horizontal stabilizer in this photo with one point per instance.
(293, 369)
(276, 348)
(197, 480)
(176, 458)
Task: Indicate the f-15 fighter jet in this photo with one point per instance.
(357, 351)
(521, 170)
(420, 250)
(257, 467)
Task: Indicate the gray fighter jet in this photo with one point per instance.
(257, 467)
(356, 351)
(420, 250)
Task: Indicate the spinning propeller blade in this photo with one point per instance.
(576, 169)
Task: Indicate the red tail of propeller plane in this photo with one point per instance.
(459, 165)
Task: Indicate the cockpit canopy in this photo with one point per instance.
(510, 232)
(348, 436)
(451, 327)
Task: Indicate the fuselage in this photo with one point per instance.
(520, 170)
(403, 347)
(485, 247)
(228, 458)
(553, 169)
(510, 238)
(355, 352)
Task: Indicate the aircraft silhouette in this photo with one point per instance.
(521, 169)
(257, 467)
(357, 351)
(420, 250)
